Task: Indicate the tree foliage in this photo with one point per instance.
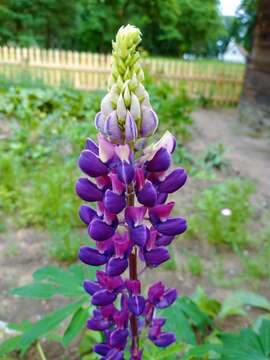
(244, 23)
(173, 27)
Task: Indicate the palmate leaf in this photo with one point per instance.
(9, 345)
(181, 316)
(52, 280)
(209, 306)
(178, 323)
(12, 343)
(253, 299)
(199, 352)
(37, 291)
(196, 316)
(48, 323)
(75, 326)
(152, 352)
(265, 336)
(231, 306)
(247, 345)
(170, 352)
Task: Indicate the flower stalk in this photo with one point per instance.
(131, 225)
(133, 275)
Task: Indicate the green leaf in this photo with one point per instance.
(253, 299)
(9, 345)
(169, 351)
(88, 340)
(200, 351)
(265, 336)
(191, 310)
(183, 330)
(247, 345)
(77, 323)
(79, 272)
(178, 323)
(91, 357)
(152, 352)
(231, 306)
(56, 275)
(20, 327)
(52, 280)
(209, 306)
(36, 290)
(258, 322)
(48, 323)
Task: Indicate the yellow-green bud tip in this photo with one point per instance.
(128, 36)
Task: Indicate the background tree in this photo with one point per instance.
(255, 101)
(243, 25)
(172, 28)
(46, 23)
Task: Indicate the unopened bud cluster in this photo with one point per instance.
(126, 113)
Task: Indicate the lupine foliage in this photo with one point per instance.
(192, 319)
(132, 219)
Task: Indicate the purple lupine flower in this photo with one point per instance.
(132, 220)
(88, 191)
(147, 196)
(92, 256)
(174, 181)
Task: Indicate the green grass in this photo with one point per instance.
(194, 264)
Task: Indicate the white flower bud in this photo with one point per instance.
(141, 75)
(133, 83)
(140, 91)
(146, 100)
(119, 84)
(111, 82)
(135, 108)
(121, 109)
(127, 97)
(106, 105)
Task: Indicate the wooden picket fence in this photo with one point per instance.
(213, 81)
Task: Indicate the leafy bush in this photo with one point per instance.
(223, 212)
(47, 128)
(214, 157)
(257, 265)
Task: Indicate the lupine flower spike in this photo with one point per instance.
(131, 224)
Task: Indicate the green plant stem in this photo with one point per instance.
(40, 351)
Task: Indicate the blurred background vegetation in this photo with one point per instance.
(170, 28)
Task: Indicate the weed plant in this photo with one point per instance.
(223, 212)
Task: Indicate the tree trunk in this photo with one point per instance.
(255, 99)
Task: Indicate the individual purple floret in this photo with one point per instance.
(131, 224)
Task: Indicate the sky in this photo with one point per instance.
(228, 7)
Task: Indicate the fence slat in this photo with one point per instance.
(215, 81)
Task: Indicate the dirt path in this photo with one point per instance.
(249, 156)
